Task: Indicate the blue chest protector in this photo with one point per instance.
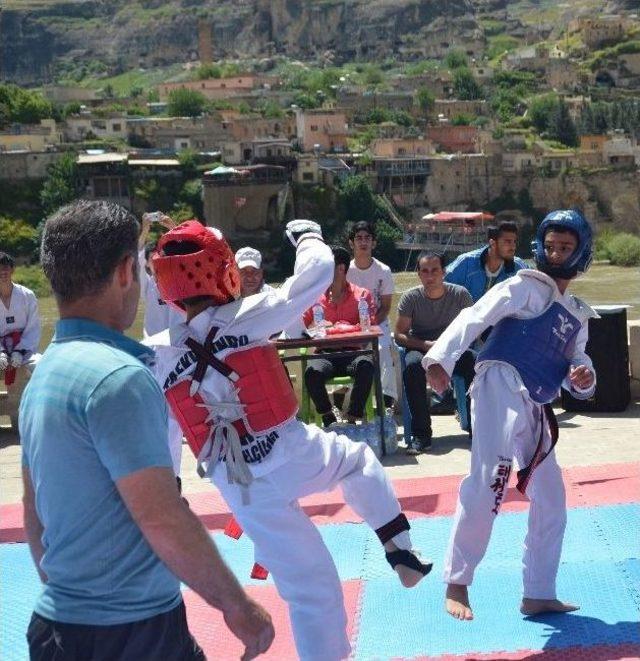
(539, 348)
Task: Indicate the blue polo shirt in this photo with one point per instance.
(91, 414)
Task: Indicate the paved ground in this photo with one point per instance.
(600, 438)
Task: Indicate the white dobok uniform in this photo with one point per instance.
(21, 316)
(378, 279)
(159, 316)
(292, 460)
(538, 332)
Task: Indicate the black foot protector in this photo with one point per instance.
(408, 559)
(389, 530)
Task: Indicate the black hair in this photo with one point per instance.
(83, 243)
(341, 256)
(430, 254)
(494, 232)
(362, 226)
(562, 228)
(6, 259)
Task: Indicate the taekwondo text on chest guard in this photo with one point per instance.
(189, 358)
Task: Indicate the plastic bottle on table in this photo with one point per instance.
(318, 321)
(363, 314)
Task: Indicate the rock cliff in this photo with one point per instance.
(39, 39)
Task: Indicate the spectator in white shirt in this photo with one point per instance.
(370, 273)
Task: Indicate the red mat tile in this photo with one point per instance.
(595, 653)
(606, 484)
(218, 643)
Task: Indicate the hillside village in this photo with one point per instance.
(248, 144)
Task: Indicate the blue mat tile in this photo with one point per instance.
(19, 589)
(600, 571)
(608, 615)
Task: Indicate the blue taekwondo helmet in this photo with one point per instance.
(564, 220)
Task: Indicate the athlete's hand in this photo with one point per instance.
(4, 361)
(581, 377)
(296, 229)
(437, 378)
(16, 359)
(252, 625)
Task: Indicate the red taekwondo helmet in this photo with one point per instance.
(203, 266)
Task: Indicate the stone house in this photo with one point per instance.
(321, 129)
(31, 137)
(86, 127)
(15, 165)
(453, 139)
(450, 108)
(221, 88)
(401, 147)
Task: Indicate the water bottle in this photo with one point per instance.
(372, 436)
(390, 434)
(318, 321)
(363, 313)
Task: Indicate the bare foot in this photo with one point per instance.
(408, 577)
(457, 602)
(531, 607)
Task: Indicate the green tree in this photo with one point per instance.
(377, 116)
(23, 106)
(426, 99)
(61, 185)
(205, 71)
(188, 159)
(456, 59)
(185, 103)
(462, 119)
(540, 110)
(465, 86)
(356, 200)
(373, 75)
(18, 237)
(561, 126)
(271, 110)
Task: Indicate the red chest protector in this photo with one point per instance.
(7, 344)
(262, 385)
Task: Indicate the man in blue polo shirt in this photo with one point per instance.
(477, 271)
(108, 531)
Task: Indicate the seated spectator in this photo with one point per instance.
(249, 261)
(19, 321)
(423, 314)
(477, 271)
(340, 304)
(368, 272)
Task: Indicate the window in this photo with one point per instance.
(307, 176)
(116, 127)
(313, 127)
(401, 151)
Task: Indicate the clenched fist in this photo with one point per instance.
(296, 229)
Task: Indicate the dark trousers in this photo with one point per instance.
(165, 636)
(415, 385)
(320, 370)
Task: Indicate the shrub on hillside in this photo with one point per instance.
(34, 278)
(624, 250)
